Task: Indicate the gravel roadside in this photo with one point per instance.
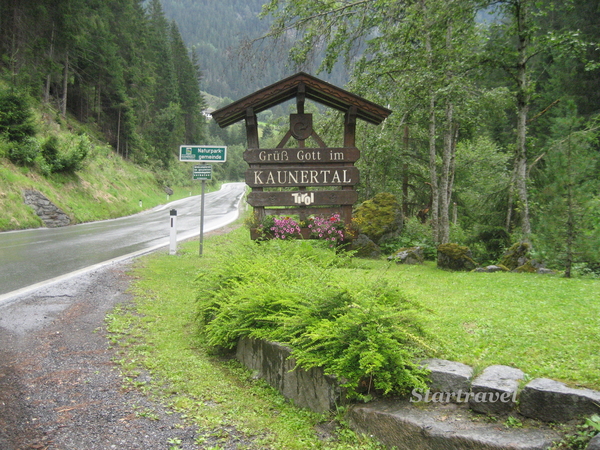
(59, 388)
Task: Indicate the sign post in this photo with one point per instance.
(202, 172)
(203, 154)
(202, 220)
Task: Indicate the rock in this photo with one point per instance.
(168, 190)
(544, 271)
(449, 376)
(594, 444)
(50, 214)
(490, 269)
(455, 257)
(552, 401)
(380, 218)
(408, 255)
(517, 255)
(365, 247)
(494, 392)
(399, 424)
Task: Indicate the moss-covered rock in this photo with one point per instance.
(530, 266)
(516, 256)
(455, 257)
(380, 217)
(365, 247)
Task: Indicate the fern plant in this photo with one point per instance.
(366, 333)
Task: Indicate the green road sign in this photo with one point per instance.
(202, 172)
(202, 153)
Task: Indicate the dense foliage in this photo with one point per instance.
(304, 295)
(494, 134)
(117, 65)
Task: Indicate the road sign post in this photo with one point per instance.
(202, 220)
(202, 153)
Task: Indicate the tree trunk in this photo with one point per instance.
(49, 77)
(119, 132)
(65, 85)
(571, 232)
(444, 221)
(435, 192)
(523, 98)
(405, 174)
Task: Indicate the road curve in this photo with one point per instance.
(31, 258)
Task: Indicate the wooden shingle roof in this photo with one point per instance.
(288, 88)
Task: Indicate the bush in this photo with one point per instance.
(50, 151)
(364, 332)
(414, 234)
(24, 153)
(16, 119)
(68, 162)
(489, 244)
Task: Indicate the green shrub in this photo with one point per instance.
(24, 153)
(489, 244)
(364, 332)
(68, 161)
(414, 234)
(16, 118)
(50, 151)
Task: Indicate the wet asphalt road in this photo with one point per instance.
(30, 257)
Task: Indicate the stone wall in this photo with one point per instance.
(306, 388)
(439, 418)
(52, 216)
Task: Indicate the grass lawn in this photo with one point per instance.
(547, 326)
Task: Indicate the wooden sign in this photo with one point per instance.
(302, 168)
(302, 198)
(301, 176)
(301, 155)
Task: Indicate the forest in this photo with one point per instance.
(118, 65)
(493, 137)
(215, 31)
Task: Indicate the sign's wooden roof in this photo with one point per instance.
(314, 89)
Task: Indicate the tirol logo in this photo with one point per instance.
(304, 198)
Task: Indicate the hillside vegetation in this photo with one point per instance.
(106, 186)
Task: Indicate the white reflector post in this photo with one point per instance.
(173, 245)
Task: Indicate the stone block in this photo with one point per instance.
(449, 376)
(552, 401)
(494, 392)
(594, 444)
(408, 255)
(398, 424)
(306, 388)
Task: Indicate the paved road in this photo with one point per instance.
(30, 257)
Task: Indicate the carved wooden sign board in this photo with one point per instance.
(287, 180)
